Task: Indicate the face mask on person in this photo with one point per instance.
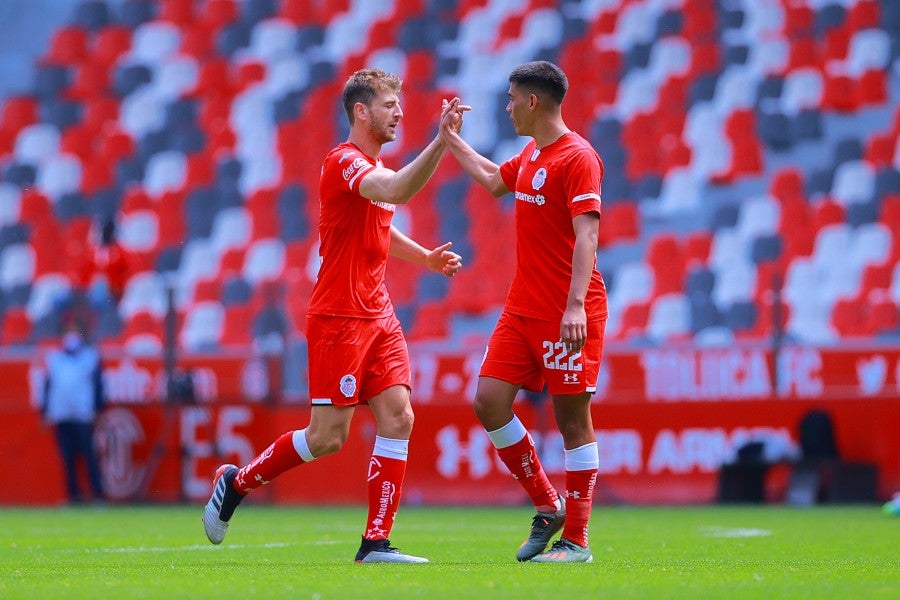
(71, 341)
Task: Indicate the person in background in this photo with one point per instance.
(551, 327)
(73, 398)
(106, 269)
(99, 272)
(357, 350)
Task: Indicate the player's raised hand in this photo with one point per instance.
(452, 115)
(443, 261)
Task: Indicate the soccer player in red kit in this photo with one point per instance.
(551, 327)
(357, 351)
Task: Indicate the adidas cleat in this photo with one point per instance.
(565, 551)
(221, 504)
(380, 551)
(543, 527)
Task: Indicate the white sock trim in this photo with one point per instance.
(583, 458)
(390, 448)
(509, 434)
(300, 445)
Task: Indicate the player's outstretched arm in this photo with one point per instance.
(440, 259)
(398, 187)
(480, 168)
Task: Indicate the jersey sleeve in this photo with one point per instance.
(509, 171)
(582, 182)
(347, 169)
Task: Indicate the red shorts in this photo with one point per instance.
(527, 352)
(352, 360)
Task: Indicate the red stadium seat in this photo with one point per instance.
(78, 140)
(100, 112)
(840, 93)
(634, 321)
(432, 321)
(699, 21)
(828, 212)
(36, 208)
(180, 12)
(301, 12)
(16, 328)
(115, 144)
(706, 58)
(799, 20)
(91, 81)
(68, 46)
(847, 317)
(882, 315)
(880, 150)
(620, 222)
(865, 14)
(837, 44)
(696, 249)
(873, 87)
(111, 43)
(198, 40)
(170, 209)
(890, 212)
(238, 326)
(876, 277)
(665, 257)
(787, 184)
(18, 112)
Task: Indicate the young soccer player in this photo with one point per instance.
(551, 327)
(357, 350)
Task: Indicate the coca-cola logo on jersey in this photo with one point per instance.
(356, 165)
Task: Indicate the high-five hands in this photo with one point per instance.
(452, 115)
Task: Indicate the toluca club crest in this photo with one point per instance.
(348, 385)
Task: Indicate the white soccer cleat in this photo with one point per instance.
(215, 519)
(380, 551)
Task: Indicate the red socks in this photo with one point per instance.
(522, 461)
(385, 483)
(281, 456)
(387, 469)
(582, 464)
(579, 495)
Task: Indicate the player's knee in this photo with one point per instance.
(490, 413)
(482, 407)
(400, 423)
(575, 431)
(327, 443)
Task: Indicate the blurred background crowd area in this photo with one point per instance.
(752, 182)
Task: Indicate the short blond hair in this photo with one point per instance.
(363, 85)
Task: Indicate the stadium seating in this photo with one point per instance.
(744, 142)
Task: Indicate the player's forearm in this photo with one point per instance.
(583, 257)
(405, 248)
(478, 167)
(413, 177)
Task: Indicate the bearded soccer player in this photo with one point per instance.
(551, 327)
(357, 350)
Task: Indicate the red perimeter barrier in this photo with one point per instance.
(666, 420)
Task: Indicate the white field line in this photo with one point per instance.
(191, 548)
(733, 532)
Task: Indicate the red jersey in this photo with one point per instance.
(354, 240)
(109, 262)
(552, 186)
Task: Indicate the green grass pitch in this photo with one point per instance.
(307, 552)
